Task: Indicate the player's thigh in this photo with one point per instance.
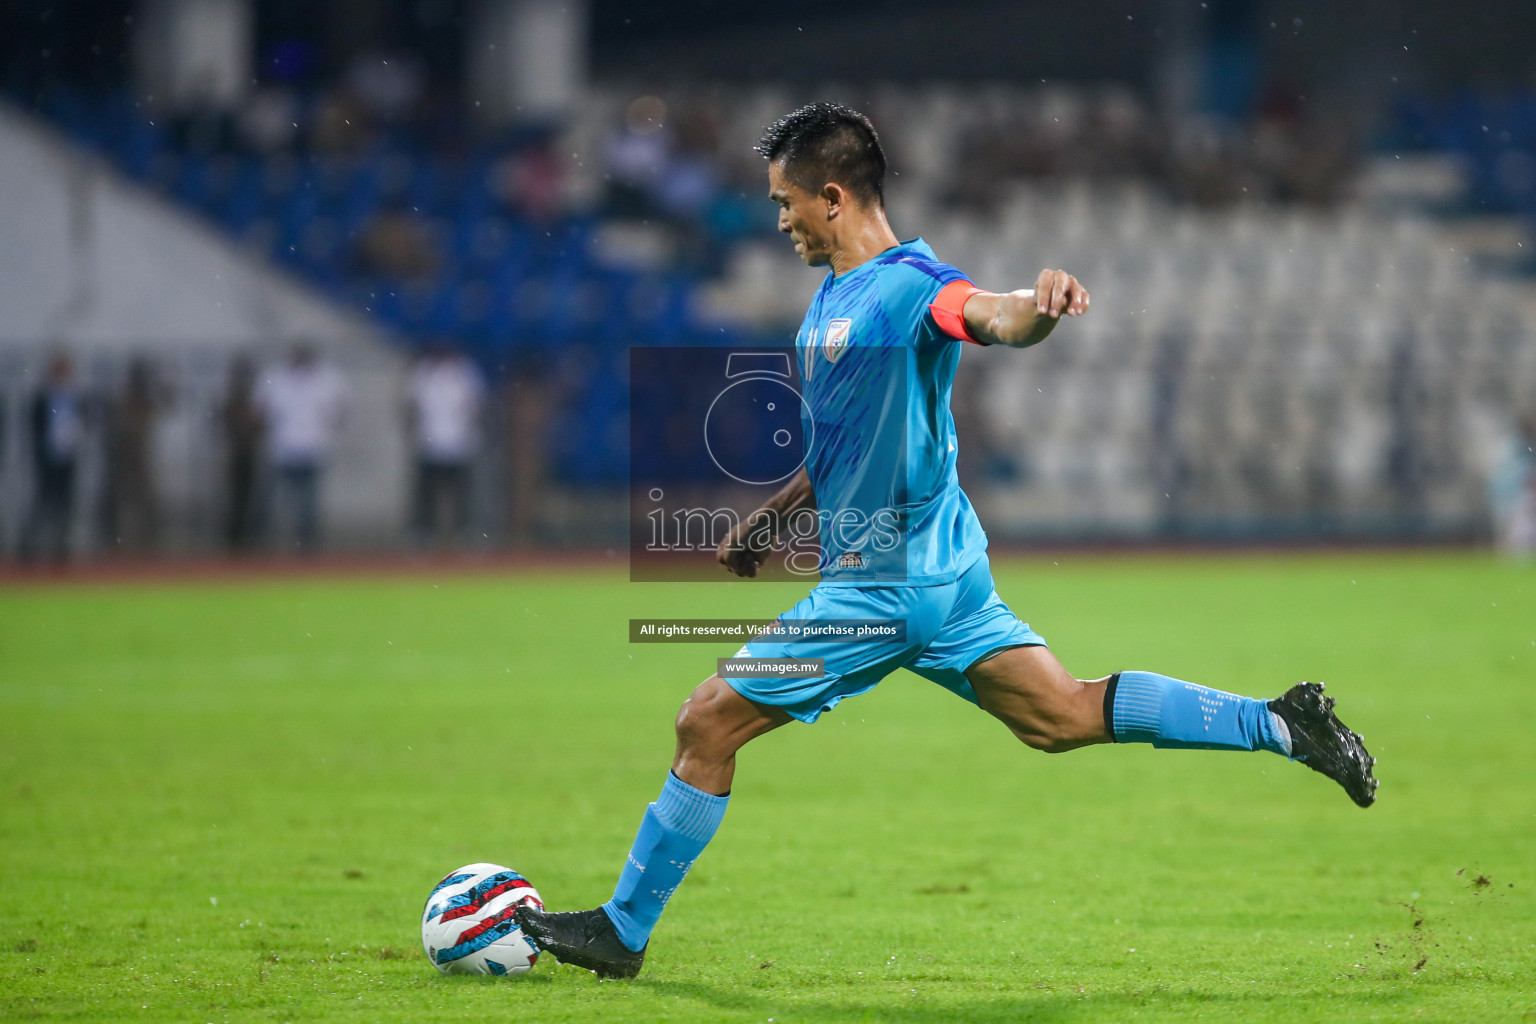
(977, 625)
(850, 665)
(1033, 693)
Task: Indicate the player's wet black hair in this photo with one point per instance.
(824, 142)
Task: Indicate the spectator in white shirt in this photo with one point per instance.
(443, 408)
(1512, 493)
(301, 405)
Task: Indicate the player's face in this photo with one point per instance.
(802, 216)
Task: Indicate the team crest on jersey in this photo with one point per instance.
(837, 338)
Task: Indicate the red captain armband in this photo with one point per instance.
(948, 309)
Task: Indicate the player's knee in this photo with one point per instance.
(699, 724)
(1044, 738)
(689, 724)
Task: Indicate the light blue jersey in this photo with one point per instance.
(899, 538)
(877, 371)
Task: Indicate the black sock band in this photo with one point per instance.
(1109, 707)
(679, 778)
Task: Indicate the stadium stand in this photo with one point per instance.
(1277, 351)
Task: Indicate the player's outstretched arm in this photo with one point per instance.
(746, 547)
(1025, 317)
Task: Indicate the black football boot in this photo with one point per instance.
(582, 938)
(1323, 743)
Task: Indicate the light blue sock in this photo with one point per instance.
(1144, 707)
(673, 833)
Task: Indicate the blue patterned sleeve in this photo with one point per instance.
(909, 283)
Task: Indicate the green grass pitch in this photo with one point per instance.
(226, 802)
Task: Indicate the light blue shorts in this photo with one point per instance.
(950, 627)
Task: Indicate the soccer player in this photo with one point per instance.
(878, 351)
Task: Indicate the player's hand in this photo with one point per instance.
(1058, 293)
(744, 548)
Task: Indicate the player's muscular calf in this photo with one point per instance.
(713, 723)
(1029, 691)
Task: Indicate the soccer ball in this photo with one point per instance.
(467, 926)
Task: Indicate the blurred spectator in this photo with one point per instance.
(388, 84)
(301, 410)
(267, 123)
(636, 155)
(530, 401)
(242, 441)
(691, 179)
(58, 416)
(203, 128)
(532, 182)
(443, 408)
(130, 511)
(340, 125)
(397, 244)
(1512, 493)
